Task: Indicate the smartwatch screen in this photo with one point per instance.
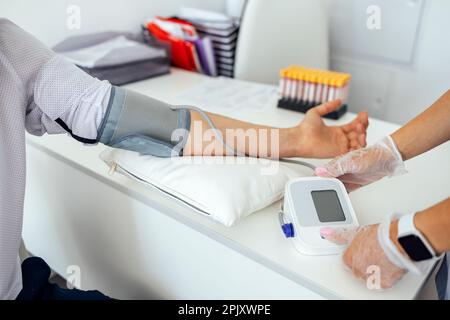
(415, 248)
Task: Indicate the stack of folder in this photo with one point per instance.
(189, 50)
(119, 57)
(223, 32)
(199, 40)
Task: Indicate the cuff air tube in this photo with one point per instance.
(140, 123)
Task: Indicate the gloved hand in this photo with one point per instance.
(364, 255)
(363, 166)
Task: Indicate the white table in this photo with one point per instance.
(133, 242)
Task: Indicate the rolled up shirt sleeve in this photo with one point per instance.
(71, 98)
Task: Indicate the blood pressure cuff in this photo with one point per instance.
(140, 123)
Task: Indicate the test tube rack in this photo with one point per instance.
(304, 88)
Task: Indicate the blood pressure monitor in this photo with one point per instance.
(311, 204)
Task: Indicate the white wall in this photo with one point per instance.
(46, 19)
(414, 88)
(398, 91)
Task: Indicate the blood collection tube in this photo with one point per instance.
(307, 86)
(339, 87)
(293, 85)
(282, 85)
(300, 86)
(312, 90)
(318, 97)
(326, 87)
(331, 89)
(288, 85)
(336, 88)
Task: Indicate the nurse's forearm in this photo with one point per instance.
(428, 130)
(246, 138)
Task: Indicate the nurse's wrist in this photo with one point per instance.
(430, 229)
(400, 144)
(427, 228)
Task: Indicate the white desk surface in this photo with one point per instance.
(259, 237)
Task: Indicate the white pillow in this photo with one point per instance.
(225, 188)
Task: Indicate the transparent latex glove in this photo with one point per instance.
(365, 257)
(363, 166)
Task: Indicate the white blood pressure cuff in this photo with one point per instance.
(140, 123)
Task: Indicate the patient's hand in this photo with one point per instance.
(317, 140)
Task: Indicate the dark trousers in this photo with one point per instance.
(442, 279)
(35, 276)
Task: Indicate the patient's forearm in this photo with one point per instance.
(311, 138)
(246, 138)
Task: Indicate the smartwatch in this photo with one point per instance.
(412, 241)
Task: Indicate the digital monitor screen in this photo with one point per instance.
(328, 206)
